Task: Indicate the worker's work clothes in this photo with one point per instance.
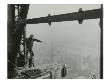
(29, 46)
(29, 43)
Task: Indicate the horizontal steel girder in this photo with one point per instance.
(81, 15)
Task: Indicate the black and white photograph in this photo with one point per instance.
(55, 41)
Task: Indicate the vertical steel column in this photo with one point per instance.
(24, 44)
(11, 44)
(101, 44)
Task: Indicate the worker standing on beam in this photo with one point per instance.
(29, 46)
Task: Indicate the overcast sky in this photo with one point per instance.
(72, 31)
(68, 33)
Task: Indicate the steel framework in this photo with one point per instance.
(17, 28)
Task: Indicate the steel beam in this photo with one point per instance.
(81, 15)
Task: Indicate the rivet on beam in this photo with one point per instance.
(80, 20)
(49, 17)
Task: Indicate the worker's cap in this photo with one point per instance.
(31, 35)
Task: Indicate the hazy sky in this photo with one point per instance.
(71, 31)
(68, 42)
(67, 34)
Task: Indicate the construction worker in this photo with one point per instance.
(29, 46)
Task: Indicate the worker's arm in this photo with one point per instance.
(37, 40)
